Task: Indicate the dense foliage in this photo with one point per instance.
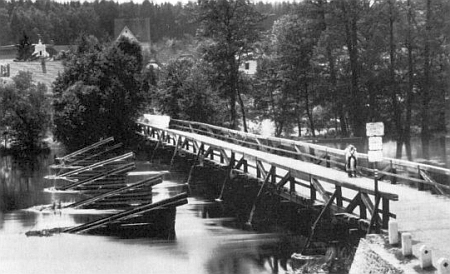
(361, 61)
(63, 22)
(25, 111)
(184, 93)
(230, 29)
(100, 93)
(323, 65)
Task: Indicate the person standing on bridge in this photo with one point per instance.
(351, 159)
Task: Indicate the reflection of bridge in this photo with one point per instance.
(310, 175)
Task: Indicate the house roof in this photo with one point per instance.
(139, 28)
(127, 33)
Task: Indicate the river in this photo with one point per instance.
(205, 241)
(202, 244)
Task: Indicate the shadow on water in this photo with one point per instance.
(209, 236)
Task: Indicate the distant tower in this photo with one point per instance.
(40, 50)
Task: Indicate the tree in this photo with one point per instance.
(4, 26)
(183, 92)
(26, 111)
(24, 48)
(230, 29)
(99, 94)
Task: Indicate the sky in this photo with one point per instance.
(170, 1)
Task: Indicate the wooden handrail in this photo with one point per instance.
(398, 163)
(283, 141)
(262, 142)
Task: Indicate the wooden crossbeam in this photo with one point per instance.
(370, 206)
(320, 189)
(225, 156)
(258, 196)
(383, 173)
(196, 146)
(353, 203)
(286, 178)
(240, 163)
(299, 152)
(260, 169)
(434, 184)
(208, 152)
(316, 222)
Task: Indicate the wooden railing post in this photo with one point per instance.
(386, 213)
(292, 185)
(420, 186)
(393, 170)
(339, 200)
(313, 194)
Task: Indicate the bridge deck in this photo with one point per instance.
(295, 165)
(425, 216)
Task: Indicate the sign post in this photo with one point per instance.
(375, 133)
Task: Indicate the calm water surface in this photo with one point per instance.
(202, 244)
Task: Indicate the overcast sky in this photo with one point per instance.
(171, 1)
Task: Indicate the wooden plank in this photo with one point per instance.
(119, 170)
(177, 200)
(98, 164)
(85, 149)
(154, 180)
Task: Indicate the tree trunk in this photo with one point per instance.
(409, 94)
(244, 120)
(425, 132)
(356, 103)
(397, 110)
(309, 111)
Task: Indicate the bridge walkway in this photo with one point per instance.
(424, 215)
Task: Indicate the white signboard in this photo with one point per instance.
(375, 129)
(375, 155)
(376, 143)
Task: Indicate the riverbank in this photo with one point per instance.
(376, 256)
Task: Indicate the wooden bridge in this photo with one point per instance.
(310, 174)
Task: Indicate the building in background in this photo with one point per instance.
(136, 29)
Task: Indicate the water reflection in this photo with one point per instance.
(206, 241)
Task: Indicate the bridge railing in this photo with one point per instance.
(419, 174)
(304, 184)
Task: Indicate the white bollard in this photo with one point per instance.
(425, 257)
(443, 266)
(406, 244)
(393, 232)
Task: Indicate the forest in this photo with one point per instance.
(332, 65)
(62, 23)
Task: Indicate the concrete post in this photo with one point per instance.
(406, 244)
(393, 232)
(443, 266)
(425, 257)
